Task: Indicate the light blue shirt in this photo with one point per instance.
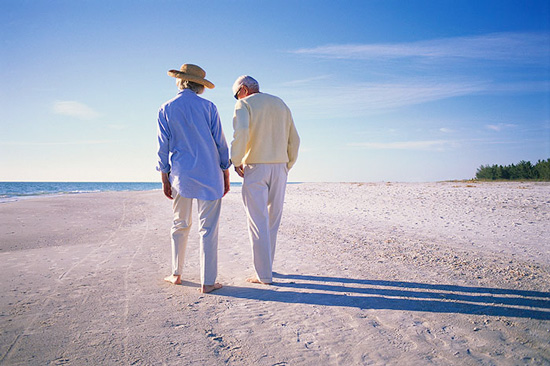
(192, 146)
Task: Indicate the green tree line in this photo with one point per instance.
(522, 171)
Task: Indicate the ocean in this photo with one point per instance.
(14, 191)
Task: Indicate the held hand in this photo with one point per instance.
(240, 171)
(226, 182)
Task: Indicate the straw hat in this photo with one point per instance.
(192, 73)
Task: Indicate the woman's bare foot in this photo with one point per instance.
(209, 288)
(176, 280)
(255, 280)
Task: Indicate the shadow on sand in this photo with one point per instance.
(394, 295)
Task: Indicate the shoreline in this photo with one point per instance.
(14, 197)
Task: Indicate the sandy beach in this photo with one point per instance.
(447, 273)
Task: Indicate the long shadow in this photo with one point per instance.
(409, 296)
(425, 286)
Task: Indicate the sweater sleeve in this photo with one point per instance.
(241, 122)
(293, 144)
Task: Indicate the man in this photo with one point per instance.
(193, 159)
(264, 148)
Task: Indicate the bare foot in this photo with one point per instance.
(176, 280)
(255, 280)
(209, 288)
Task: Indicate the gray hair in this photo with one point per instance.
(248, 81)
(186, 84)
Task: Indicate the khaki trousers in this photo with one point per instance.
(209, 214)
(263, 196)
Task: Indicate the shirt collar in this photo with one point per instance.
(186, 91)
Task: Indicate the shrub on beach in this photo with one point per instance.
(524, 170)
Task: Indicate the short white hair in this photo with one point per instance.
(247, 81)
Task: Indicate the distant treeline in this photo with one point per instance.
(522, 171)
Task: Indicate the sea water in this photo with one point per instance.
(13, 191)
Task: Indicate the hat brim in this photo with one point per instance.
(196, 79)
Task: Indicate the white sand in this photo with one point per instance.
(381, 274)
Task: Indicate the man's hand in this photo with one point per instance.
(226, 183)
(166, 185)
(167, 188)
(240, 170)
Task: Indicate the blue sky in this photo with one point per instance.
(380, 90)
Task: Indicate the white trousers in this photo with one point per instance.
(209, 214)
(263, 196)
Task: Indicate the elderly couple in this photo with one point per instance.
(193, 159)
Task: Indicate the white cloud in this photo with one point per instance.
(74, 109)
(401, 85)
(47, 143)
(365, 98)
(437, 145)
(446, 130)
(305, 81)
(500, 126)
(361, 98)
(494, 127)
(509, 47)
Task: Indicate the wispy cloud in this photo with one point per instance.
(55, 143)
(305, 81)
(74, 109)
(509, 47)
(431, 145)
(330, 100)
(400, 85)
(499, 127)
(365, 98)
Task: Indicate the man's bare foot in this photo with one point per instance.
(209, 288)
(255, 280)
(176, 280)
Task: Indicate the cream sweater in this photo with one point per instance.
(264, 132)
